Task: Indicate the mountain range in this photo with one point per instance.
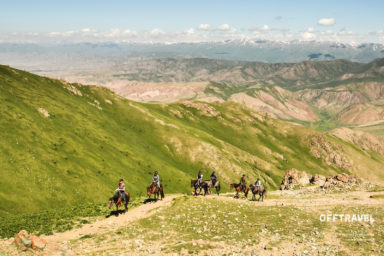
(71, 56)
(320, 94)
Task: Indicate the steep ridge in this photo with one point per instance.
(67, 143)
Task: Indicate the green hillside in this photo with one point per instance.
(63, 144)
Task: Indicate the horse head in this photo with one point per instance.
(110, 202)
(231, 186)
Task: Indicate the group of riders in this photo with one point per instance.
(121, 188)
(243, 180)
(243, 183)
(121, 191)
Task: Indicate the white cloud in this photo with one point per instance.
(129, 32)
(265, 28)
(157, 32)
(224, 27)
(326, 21)
(190, 31)
(202, 33)
(309, 34)
(86, 30)
(205, 27)
(115, 32)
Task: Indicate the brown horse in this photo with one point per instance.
(237, 187)
(153, 189)
(118, 199)
(261, 192)
(204, 185)
(216, 186)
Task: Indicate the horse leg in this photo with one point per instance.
(161, 192)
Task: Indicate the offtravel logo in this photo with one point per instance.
(347, 218)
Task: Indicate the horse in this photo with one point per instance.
(153, 189)
(237, 187)
(216, 186)
(204, 185)
(117, 199)
(261, 192)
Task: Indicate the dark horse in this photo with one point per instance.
(117, 199)
(237, 187)
(216, 186)
(204, 185)
(153, 189)
(261, 192)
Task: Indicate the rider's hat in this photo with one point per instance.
(155, 172)
(121, 180)
(244, 175)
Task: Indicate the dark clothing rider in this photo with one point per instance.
(213, 178)
(243, 182)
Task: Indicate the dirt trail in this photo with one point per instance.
(146, 210)
(112, 222)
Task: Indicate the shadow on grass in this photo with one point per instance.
(115, 213)
(150, 200)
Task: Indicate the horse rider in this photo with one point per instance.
(121, 189)
(258, 184)
(243, 182)
(156, 179)
(199, 178)
(213, 178)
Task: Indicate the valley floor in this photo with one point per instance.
(286, 223)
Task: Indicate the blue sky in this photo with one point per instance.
(194, 20)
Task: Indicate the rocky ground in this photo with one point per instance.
(286, 223)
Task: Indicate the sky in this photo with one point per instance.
(172, 21)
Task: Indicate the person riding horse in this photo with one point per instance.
(258, 184)
(213, 178)
(199, 178)
(121, 189)
(243, 182)
(156, 179)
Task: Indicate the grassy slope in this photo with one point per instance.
(80, 152)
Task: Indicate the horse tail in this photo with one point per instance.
(265, 193)
(128, 196)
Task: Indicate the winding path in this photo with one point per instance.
(112, 222)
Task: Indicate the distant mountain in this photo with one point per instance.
(70, 56)
(292, 76)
